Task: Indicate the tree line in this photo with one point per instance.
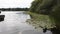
(14, 9)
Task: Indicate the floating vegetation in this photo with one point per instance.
(40, 21)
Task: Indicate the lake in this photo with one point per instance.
(15, 23)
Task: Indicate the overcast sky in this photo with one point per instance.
(15, 3)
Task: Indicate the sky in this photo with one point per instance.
(15, 3)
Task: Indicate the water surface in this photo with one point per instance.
(15, 23)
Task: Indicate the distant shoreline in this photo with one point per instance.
(14, 9)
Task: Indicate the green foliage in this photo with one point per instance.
(35, 5)
(47, 7)
(56, 15)
(42, 6)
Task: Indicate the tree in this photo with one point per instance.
(48, 7)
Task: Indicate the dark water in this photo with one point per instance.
(15, 23)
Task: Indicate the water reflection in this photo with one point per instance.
(15, 23)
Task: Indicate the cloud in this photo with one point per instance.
(15, 3)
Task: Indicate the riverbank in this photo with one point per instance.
(40, 21)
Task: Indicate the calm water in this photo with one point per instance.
(15, 23)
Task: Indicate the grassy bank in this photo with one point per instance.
(40, 21)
